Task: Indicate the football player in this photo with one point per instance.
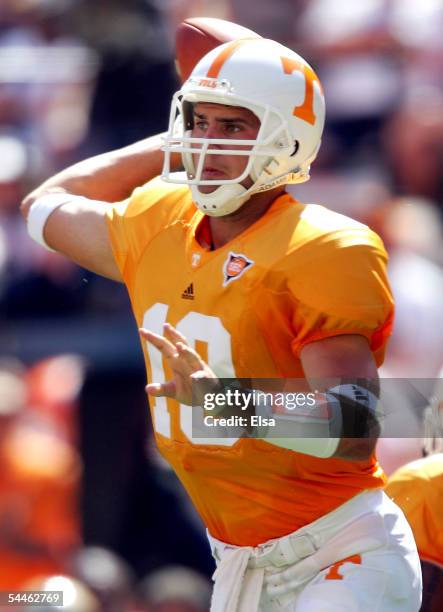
(417, 488)
(229, 276)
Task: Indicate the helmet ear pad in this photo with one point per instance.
(280, 145)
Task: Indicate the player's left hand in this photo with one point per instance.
(185, 363)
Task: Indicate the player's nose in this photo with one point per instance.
(214, 132)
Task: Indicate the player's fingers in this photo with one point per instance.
(160, 342)
(174, 335)
(167, 389)
(189, 356)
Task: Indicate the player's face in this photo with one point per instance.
(220, 121)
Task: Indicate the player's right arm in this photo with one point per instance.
(78, 228)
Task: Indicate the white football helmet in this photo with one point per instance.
(280, 88)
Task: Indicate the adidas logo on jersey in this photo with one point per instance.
(188, 293)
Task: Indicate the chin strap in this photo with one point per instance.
(222, 201)
(227, 199)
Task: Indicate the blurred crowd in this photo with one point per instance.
(83, 493)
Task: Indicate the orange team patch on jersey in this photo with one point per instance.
(235, 265)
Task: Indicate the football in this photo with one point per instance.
(197, 36)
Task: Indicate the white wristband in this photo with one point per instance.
(315, 435)
(41, 209)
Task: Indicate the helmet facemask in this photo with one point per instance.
(272, 146)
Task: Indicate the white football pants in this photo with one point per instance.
(359, 558)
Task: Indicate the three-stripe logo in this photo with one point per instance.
(188, 293)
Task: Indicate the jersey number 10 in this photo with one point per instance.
(194, 326)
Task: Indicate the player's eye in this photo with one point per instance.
(201, 125)
(232, 128)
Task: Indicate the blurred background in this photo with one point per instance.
(83, 492)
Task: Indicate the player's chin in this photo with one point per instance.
(208, 188)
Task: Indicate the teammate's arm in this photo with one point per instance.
(78, 228)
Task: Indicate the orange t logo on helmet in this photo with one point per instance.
(306, 110)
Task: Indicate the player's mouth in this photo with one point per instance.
(212, 173)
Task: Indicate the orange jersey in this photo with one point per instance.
(298, 274)
(417, 488)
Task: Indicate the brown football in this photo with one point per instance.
(197, 36)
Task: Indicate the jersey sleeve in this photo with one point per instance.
(132, 224)
(341, 287)
(116, 227)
